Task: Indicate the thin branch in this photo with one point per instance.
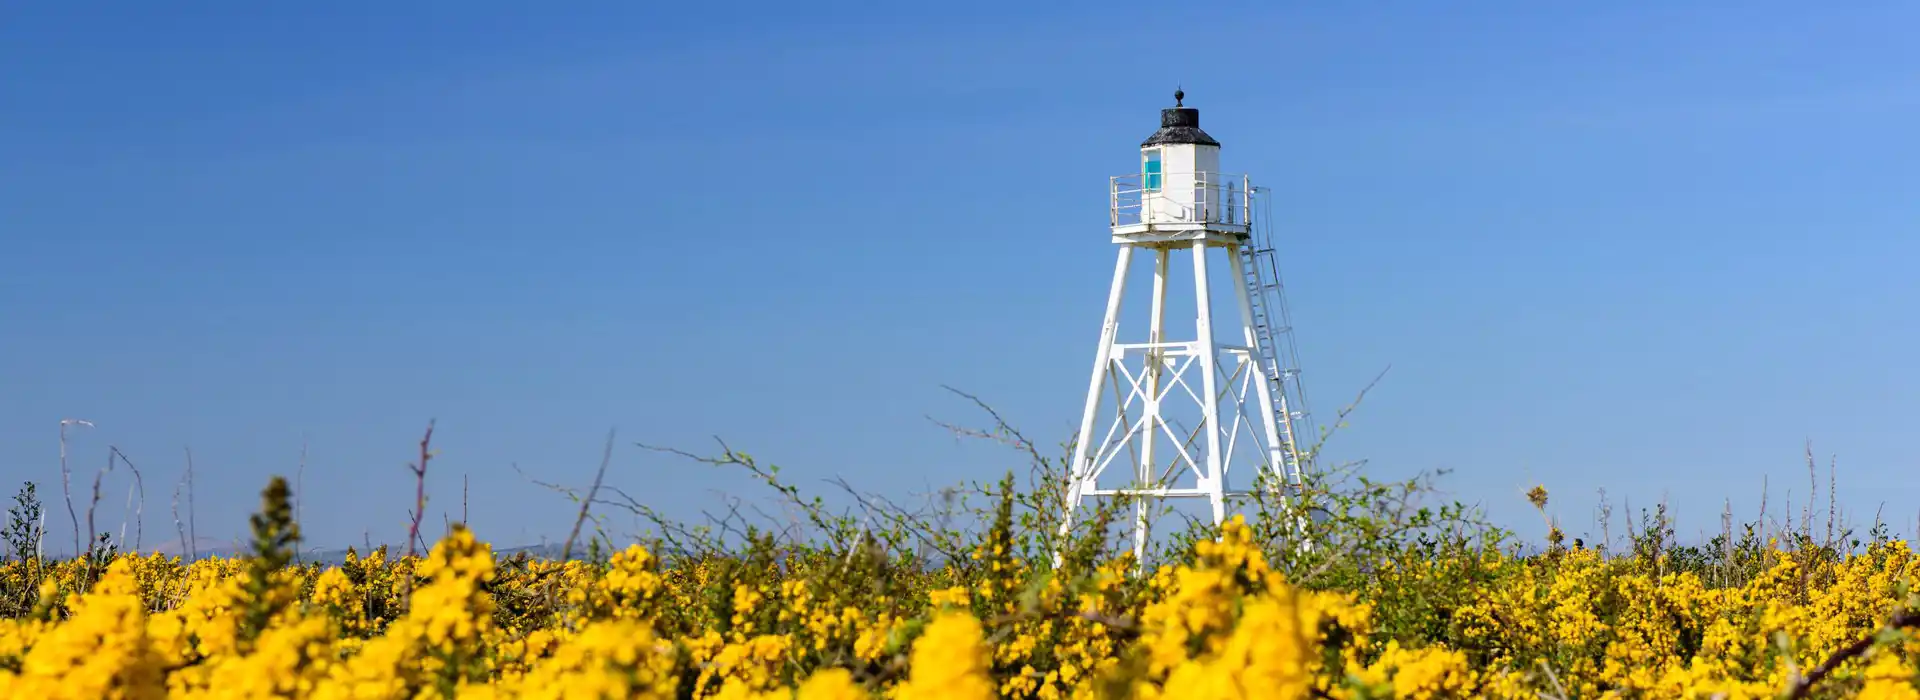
(1560, 690)
(66, 478)
(1813, 490)
(417, 512)
(137, 507)
(767, 475)
(725, 525)
(177, 525)
(1002, 431)
(677, 536)
(415, 535)
(606, 456)
(1340, 417)
(901, 518)
(1833, 499)
(140, 506)
(419, 488)
(129, 505)
(1804, 684)
(1763, 520)
(96, 502)
(193, 535)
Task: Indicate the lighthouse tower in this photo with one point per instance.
(1173, 411)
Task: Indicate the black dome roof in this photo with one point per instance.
(1179, 124)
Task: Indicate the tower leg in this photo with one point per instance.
(1213, 481)
(1080, 471)
(1155, 363)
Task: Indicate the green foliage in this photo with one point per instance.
(19, 595)
(275, 535)
(24, 531)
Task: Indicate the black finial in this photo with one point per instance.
(1178, 95)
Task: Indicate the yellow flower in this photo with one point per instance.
(831, 684)
(949, 662)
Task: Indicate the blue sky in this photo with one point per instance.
(1648, 247)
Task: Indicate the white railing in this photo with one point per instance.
(1180, 198)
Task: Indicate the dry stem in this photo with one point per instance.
(177, 525)
(66, 477)
(140, 506)
(193, 535)
(606, 456)
(1804, 684)
(419, 488)
(1813, 490)
(420, 506)
(88, 552)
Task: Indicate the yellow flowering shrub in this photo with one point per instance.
(1225, 614)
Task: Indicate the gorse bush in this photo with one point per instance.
(1392, 599)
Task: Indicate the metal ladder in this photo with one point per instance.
(1268, 299)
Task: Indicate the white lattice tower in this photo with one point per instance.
(1131, 440)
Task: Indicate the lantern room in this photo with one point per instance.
(1179, 185)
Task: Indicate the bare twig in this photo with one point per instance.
(128, 506)
(66, 478)
(1606, 522)
(417, 512)
(463, 500)
(1340, 417)
(193, 535)
(1789, 529)
(96, 502)
(1804, 684)
(766, 474)
(1833, 500)
(572, 495)
(177, 525)
(606, 457)
(1560, 691)
(414, 535)
(1402, 505)
(1633, 536)
(1766, 551)
(1002, 431)
(677, 536)
(901, 518)
(419, 488)
(1813, 490)
(680, 538)
(140, 506)
(725, 525)
(1726, 544)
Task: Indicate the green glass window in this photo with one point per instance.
(1150, 171)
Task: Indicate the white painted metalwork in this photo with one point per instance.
(1246, 397)
(1280, 356)
(1186, 198)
